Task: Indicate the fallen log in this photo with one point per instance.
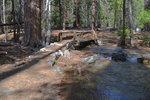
(19, 64)
(3, 53)
(6, 44)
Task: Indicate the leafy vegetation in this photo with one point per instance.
(120, 31)
(146, 40)
(144, 17)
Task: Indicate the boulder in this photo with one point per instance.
(119, 56)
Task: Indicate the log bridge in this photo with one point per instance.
(78, 36)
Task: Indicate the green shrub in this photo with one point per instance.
(144, 17)
(146, 40)
(120, 31)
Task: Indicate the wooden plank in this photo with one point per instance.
(75, 33)
(61, 34)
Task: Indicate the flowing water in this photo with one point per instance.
(105, 79)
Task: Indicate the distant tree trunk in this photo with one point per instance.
(107, 13)
(14, 21)
(115, 14)
(19, 19)
(64, 14)
(48, 22)
(1, 20)
(46, 19)
(131, 22)
(99, 18)
(77, 14)
(60, 13)
(32, 15)
(94, 15)
(123, 35)
(94, 18)
(88, 16)
(4, 20)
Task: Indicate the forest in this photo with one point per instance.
(74, 49)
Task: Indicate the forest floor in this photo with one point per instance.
(88, 74)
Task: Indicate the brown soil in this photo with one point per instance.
(35, 80)
(14, 54)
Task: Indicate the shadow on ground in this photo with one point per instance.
(14, 53)
(46, 91)
(29, 64)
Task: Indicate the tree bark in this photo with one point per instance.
(123, 35)
(49, 24)
(46, 19)
(4, 20)
(115, 14)
(1, 22)
(14, 21)
(60, 13)
(32, 15)
(131, 23)
(77, 14)
(94, 15)
(64, 14)
(19, 19)
(107, 13)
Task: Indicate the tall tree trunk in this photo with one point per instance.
(99, 18)
(88, 16)
(107, 13)
(49, 24)
(94, 19)
(115, 14)
(32, 15)
(77, 14)
(4, 20)
(94, 15)
(14, 21)
(60, 12)
(46, 19)
(123, 35)
(131, 22)
(1, 19)
(19, 19)
(64, 14)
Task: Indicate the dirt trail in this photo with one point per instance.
(99, 79)
(35, 80)
(38, 82)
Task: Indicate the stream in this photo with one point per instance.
(127, 80)
(105, 79)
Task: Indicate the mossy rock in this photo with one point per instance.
(144, 60)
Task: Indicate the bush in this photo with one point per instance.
(146, 40)
(144, 17)
(120, 31)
